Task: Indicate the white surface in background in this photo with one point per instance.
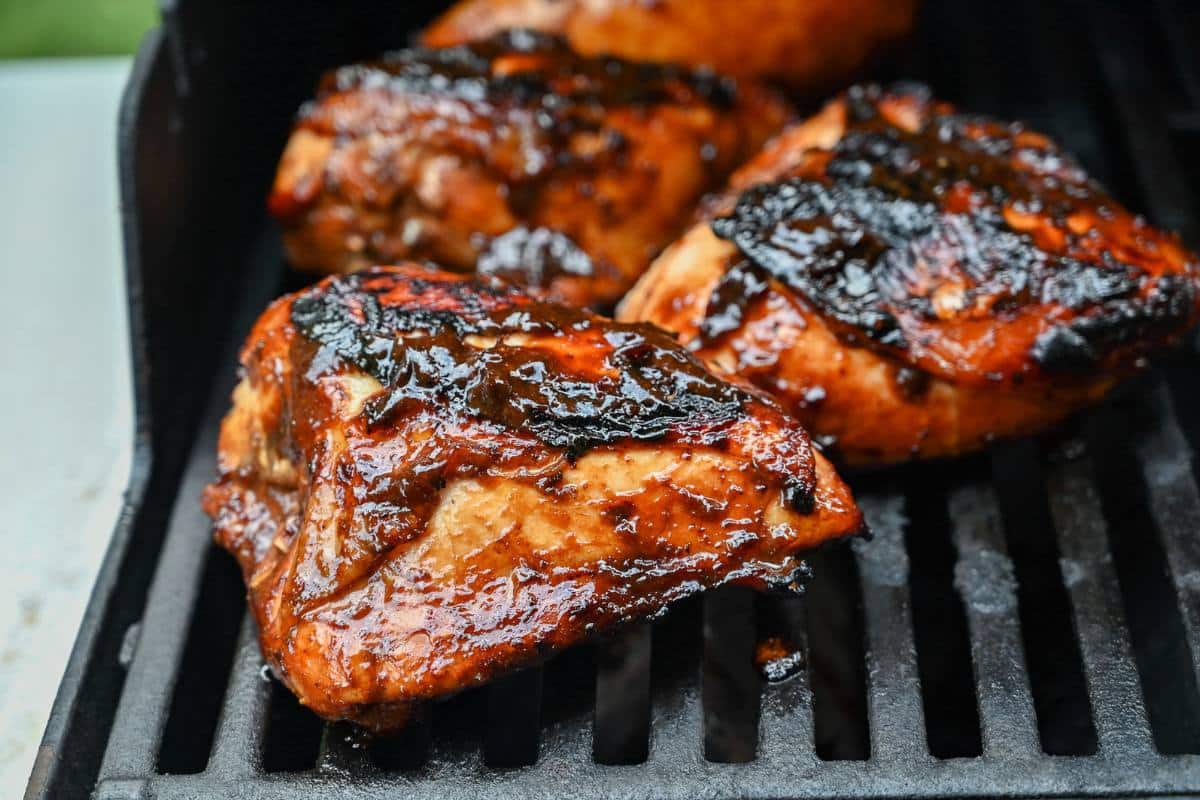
(65, 399)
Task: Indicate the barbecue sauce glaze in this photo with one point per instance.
(376, 401)
(922, 229)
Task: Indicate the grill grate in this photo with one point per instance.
(1047, 597)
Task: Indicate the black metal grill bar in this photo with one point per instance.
(238, 744)
(785, 726)
(142, 713)
(897, 720)
(1091, 582)
(141, 717)
(1166, 463)
(983, 576)
(677, 718)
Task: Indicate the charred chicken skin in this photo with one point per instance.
(516, 155)
(912, 281)
(430, 479)
(807, 45)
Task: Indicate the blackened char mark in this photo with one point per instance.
(1079, 345)
(412, 335)
(742, 284)
(825, 243)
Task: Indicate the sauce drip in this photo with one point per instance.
(778, 659)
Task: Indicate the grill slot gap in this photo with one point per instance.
(1122, 727)
(343, 749)
(985, 578)
(677, 717)
(456, 724)
(730, 682)
(621, 727)
(837, 656)
(1156, 629)
(568, 703)
(293, 733)
(238, 740)
(514, 718)
(404, 751)
(940, 622)
(1064, 712)
(207, 658)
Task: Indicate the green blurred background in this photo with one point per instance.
(53, 28)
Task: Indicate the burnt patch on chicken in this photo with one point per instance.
(641, 385)
(918, 232)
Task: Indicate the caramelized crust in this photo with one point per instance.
(910, 280)
(808, 45)
(556, 171)
(430, 480)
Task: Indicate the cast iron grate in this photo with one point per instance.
(1025, 623)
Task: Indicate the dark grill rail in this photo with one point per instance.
(1023, 624)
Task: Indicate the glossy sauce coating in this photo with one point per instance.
(435, 153)
(430, 480)
(911, 281)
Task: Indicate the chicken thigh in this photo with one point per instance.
(513, 155)
(430, 480)
(911, 281)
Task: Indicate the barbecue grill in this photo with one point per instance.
(1024, 623)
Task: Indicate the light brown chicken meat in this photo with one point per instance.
(554, 170)
(808, 45)
(913, 281)
(430, 480)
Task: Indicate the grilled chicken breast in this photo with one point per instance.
(913, 281)
(808, 45)
(559, 172)
(430, 479)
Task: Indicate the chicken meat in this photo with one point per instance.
(431, 479)
(911, 281)
(513, 155)
(810, 46)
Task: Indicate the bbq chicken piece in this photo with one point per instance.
(431, 479)
(808, 45)
(910, 281)
(515, 154)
